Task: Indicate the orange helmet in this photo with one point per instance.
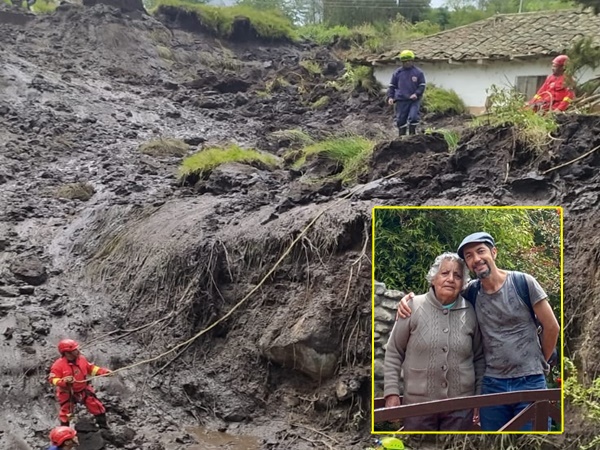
(59, 435)
(67, 345)
(560, 60)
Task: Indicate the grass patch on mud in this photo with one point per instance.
(443, 101)
(201, 164)
(164, 147)
(451, 137)
(507, 107)
(75, 191)
(268, 25)
(351, 153)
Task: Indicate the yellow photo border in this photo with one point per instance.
(562, 246)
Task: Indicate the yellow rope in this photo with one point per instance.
(247, 296)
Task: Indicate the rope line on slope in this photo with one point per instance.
(248, 295)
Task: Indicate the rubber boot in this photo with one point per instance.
(402, 131)
(412, 129)
(101, 421)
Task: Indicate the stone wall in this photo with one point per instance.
(386, 302)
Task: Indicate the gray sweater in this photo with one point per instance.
(439, 349)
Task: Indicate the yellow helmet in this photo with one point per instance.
(392, 442)
(407, 55)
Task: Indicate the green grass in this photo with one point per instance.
(295, 135)
(164, 147)
(532, 129)
(269, 25)
(359, 78)
(44, 7)
(201, 164)
(76, 191)
(320, 103)
(443, 101)
(451, 137)
(311, 67)
(352, 153)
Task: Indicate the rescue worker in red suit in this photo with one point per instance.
(69, 374)
(63, 438)
(555, 94)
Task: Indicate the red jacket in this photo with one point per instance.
(80, 369)
(555, 94)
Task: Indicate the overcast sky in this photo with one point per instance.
(437, 3)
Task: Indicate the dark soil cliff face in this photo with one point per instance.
(146, 264)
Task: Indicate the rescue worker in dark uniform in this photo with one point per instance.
(69, 374)
(405, 92)
(556, 93)
(63, 438)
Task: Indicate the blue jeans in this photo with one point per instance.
(495, 417)
(407, 112)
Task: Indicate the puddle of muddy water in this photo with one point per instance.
(209, 440)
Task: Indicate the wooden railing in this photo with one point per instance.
(543, 406)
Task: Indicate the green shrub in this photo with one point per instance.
(323, 35)
(311, 67)
(360, 78)
(507, 107)
(270, 25)
(76, 191)
(164, 147)
(201, 164)
(352, 153)
(443, 101)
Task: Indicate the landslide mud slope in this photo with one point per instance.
(146, 263)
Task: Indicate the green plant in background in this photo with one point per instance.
(311, 67)
(507, 107)
(451, 137)
(586, 397)
(201, 164)
(352, 153)
(408, 240)
(442, 101)
(358, 78)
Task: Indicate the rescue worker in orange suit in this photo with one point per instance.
(63, 438)
(556, 93)
(69, 374)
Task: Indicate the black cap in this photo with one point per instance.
(479, 237)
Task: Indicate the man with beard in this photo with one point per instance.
(515, 360)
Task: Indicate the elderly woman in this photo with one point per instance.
(439, 349)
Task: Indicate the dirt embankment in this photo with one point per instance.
(153, 263)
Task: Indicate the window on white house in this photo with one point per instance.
(528, 86)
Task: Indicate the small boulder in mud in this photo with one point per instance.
(29, 269)
(306, 346)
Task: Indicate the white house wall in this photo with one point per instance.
(470, 80)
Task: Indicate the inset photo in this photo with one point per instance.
(467, 320)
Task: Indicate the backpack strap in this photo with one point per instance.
(470, 294)
(523, 292)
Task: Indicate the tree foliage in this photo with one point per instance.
(357, 12)
(407, 242)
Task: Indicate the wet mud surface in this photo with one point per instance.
(145, 263)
